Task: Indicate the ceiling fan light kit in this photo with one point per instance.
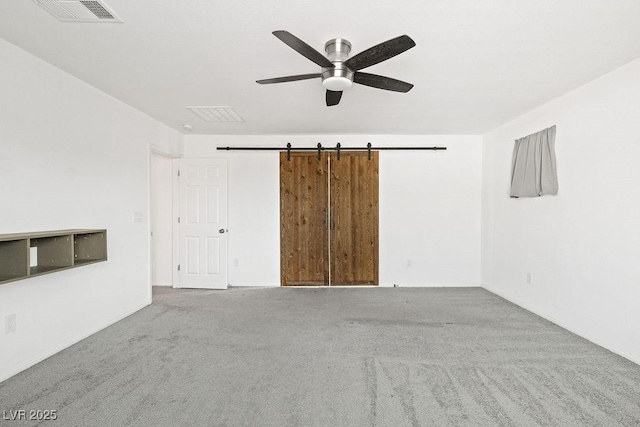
(338, 77)
(339, 72)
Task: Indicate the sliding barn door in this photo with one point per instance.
(354, 219)
(303, 219)
(329, 219)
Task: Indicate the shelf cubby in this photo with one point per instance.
(53, 253)
(90, 247)
(14, 259)
(24, 255)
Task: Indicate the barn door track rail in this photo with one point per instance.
(338, 148)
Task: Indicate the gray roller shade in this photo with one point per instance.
(534, 165)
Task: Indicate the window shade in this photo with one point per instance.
(534, 165)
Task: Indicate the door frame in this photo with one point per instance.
(175, 167)
(153, 149)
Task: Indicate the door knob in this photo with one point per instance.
(222, 230)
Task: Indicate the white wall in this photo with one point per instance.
(161, 219)
(583, 245)
(429, 207)
(71, 157)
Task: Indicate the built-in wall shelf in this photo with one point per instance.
(24, 255)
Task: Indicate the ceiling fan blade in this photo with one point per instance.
(333, 97)
(302, 48)
(381, 82)
(380, 52)
(289, 78)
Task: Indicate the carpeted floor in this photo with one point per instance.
(331, 357)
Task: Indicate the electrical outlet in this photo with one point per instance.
(529, 278)
(409, 263)
(10, 323)
(236, 262)
(137, 216)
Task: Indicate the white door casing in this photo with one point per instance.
(203, 223)
(161, 218)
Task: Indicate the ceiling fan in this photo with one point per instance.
(339, 71)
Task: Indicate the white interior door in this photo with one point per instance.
(203, 223)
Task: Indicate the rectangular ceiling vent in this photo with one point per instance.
(217, 114)
(79, 10)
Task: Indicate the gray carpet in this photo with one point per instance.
(331, 357)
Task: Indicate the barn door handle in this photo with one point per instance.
(333, 220)
(325, 218)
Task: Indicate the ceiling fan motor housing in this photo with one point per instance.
(337, 78)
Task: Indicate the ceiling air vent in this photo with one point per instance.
(217, 114)
(79, 10)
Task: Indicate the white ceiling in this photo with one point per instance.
(477, 64)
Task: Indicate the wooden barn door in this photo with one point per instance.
(329, 219)
(303, 219)
(354, 208)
